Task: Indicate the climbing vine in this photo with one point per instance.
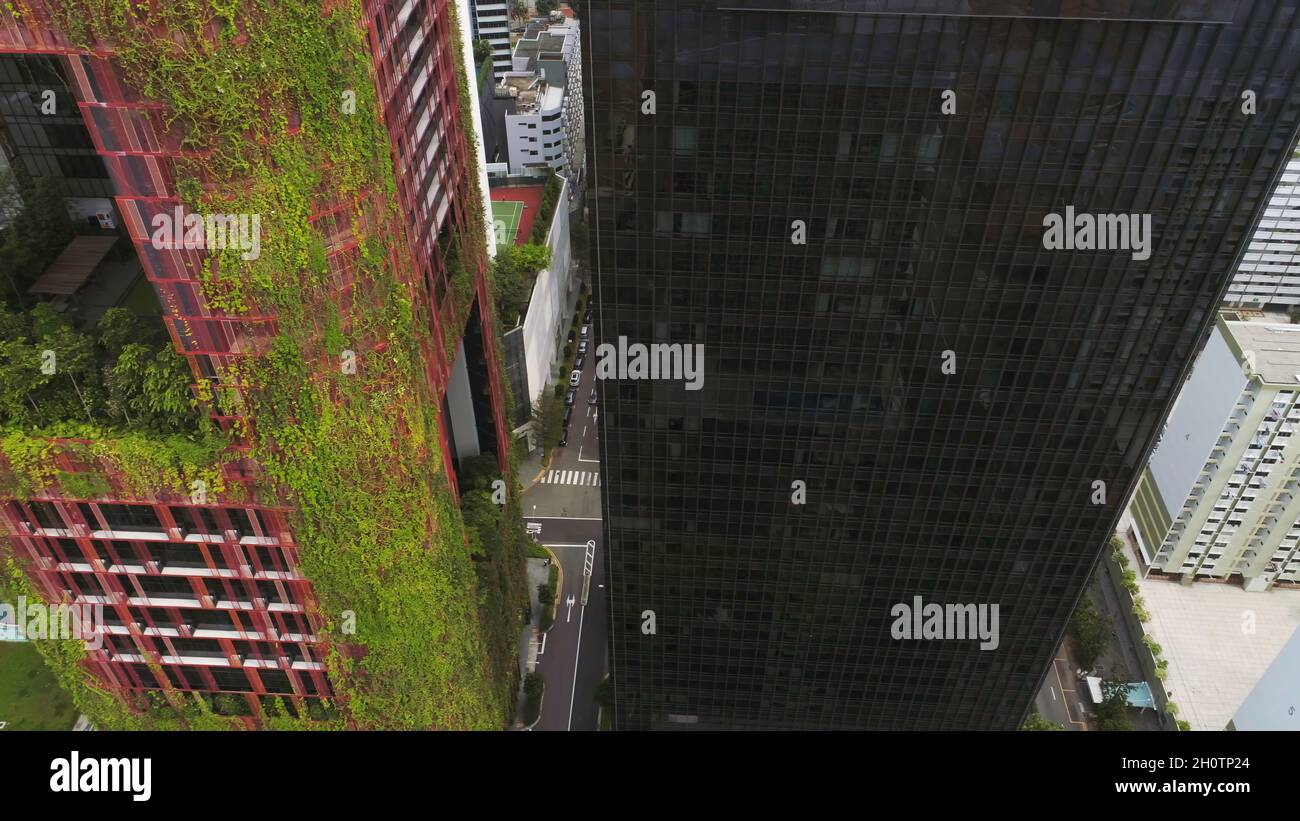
(276, 102)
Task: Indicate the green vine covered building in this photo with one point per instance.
(284, 509)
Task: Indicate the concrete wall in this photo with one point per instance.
(460, 406)
(1195, 423)
(548, 313)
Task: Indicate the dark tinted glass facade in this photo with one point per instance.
(826, 363)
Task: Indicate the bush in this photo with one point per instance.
(542, 223)
(534, 687)
(534, 684)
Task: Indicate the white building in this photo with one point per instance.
(548, 56)
(492, 23)
(1220, 496)
(1269, 273)
(535, 137)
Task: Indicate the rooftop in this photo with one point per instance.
(1219, 640)
(530, 92)
(1276, 348)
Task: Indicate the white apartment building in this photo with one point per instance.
(1269, 273)
(535, 136)
(551, 49)
(1220, 496)
(492, 23)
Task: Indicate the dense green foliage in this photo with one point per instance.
(513, 273)
(1038, 723)
(548, 418)
(124, 373)
(263, 96)
(1091, 633)
(550, 198)
(1113, 712)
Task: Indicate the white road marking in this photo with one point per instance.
(573, 691)
(571, 477)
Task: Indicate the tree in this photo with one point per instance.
(513, 272)
(482, 50)
(1112, 713)
(546, 6)
(1091, 633)
(518, 8)
(548, 419)
(1037, 722)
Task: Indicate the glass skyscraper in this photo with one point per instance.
(906, 393)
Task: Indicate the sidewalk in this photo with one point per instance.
(530, 469)
(529, 639)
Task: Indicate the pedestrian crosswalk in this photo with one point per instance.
(590, 478)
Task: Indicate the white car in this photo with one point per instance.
(585, 329)
(575, 378)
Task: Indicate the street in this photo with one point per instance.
(563, 506)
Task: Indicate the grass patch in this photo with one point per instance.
(30, 695)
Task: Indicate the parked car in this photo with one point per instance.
(582, 346)
(592, 400)
(586, 318)
(583, 333)
(568, 412)
(575, 378)
(579, 362)
(564, 437)
(570, 396)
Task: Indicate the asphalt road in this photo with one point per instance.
(1062, 697)
(566, 503)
